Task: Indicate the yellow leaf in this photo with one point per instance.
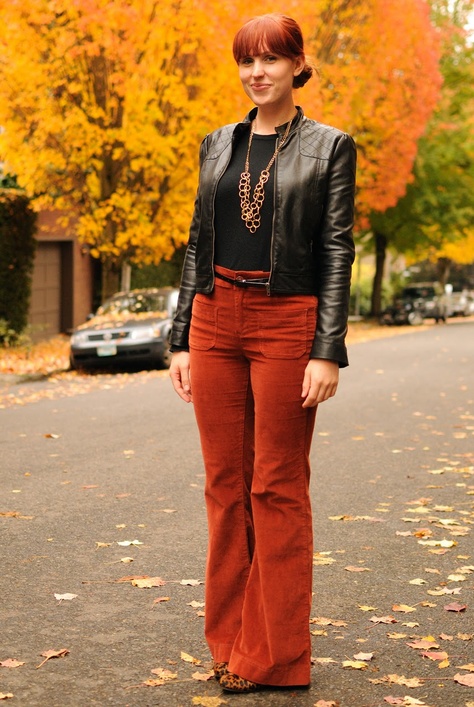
(354, 664)
(189, 658)
(208, 701)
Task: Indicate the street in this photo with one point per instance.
(84, 469)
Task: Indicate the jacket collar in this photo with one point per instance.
(251, 115)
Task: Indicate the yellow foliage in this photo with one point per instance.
(104, 104)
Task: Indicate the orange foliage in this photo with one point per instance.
(104, 103)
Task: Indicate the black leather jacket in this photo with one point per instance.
(311, 249)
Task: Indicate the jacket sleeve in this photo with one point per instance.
(334, 254)
(179, 339)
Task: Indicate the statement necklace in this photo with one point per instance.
(251, 210)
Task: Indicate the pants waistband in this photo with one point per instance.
(241, 278)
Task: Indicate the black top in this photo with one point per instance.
(236, 248)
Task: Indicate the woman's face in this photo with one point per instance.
(267, 78)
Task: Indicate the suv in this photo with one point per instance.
(416, 302)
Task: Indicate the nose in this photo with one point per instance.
(258, 68)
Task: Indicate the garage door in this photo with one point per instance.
(45, 308)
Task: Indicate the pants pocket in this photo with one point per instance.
(203, 330)
(286, 334)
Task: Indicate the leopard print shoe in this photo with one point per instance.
(220, 669)
(234, 683)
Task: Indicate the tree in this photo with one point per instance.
(435, 216)
(103, 105)
(17, 252)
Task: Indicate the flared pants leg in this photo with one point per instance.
(248, 355)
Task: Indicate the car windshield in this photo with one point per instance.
(135, 303)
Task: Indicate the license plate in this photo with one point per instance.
(107, 350)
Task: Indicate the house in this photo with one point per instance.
(63, 278)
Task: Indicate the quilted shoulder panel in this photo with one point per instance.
(218, 140)
(318, 140)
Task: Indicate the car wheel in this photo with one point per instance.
(415, 318)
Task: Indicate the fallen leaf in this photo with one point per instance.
(158, 600)
(396, 635)
(126, 543)
(325, 703)
(126, 560)
(51, 435)
(435, 655)
(191, 582)
(424, 643)
(189, 658)
(5, 695)
(364, 656)
(148, 582)
(403, 608)
(164, 674)
(467, 680)
(445, 637)
(196, 604)
(353, 568)
(203, 677)
(208, 701)
(354, 664)
(367, 608)
(383, 620)
(102, 545)
(52, 654)
(325, 661)
(465, 636)
(393, 700)
(322, 621)
(11, 663)
(455, 607)
(418, 582)
(154, 682)
(65, 597)
(468, 666)
(438, 543)
(395, 679)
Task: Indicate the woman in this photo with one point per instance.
(257, 343)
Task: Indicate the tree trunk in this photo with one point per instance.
(110, 280)
(443, 268)
(380, 256)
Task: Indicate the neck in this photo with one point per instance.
(266, 121)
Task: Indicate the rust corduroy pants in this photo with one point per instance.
(248, 355)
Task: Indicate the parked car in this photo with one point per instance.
(416, 303)
(461, 303)
(129, 327)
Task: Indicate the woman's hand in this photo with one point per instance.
(180, 377)
(320, 381)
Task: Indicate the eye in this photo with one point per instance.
(271, 58)
(246, 60)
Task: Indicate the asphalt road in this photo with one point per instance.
(85, 466)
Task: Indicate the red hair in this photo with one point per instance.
(274, 33)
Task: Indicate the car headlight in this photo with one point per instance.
(146, 333)
(78, 338)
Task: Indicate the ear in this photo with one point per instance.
(299, 65)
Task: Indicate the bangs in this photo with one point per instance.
(268, 33)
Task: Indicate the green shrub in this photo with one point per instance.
(17, 252)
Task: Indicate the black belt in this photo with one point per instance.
(250, 282)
